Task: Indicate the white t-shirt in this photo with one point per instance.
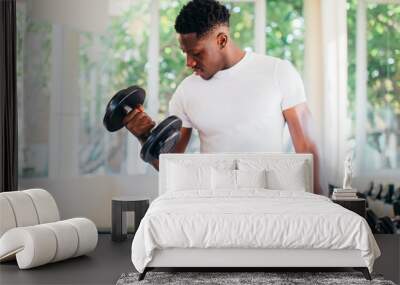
(240, 109)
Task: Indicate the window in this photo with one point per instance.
(285, 39)
(33, 92)
(67, 73)
(375, 102)
(285, 31)
(108, 63)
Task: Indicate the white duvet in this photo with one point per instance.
(250, 219)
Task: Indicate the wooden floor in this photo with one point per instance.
(102, 266)
(110, 259)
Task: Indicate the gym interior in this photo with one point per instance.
(71, 70)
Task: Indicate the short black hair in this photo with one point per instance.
(201, 16)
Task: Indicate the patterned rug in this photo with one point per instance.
(243, 278)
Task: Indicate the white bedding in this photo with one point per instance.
(250, 218)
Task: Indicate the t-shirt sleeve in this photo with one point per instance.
(176, 108)
(290, 85)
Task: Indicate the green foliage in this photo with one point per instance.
(285, 31)
(120, 56)
(383, 73)
(172, 61)
(242, 24)
(383, 55)
(109, 63)
(126, 44)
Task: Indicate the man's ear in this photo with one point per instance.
(222, 40)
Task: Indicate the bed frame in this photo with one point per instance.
(246, 259)
(242, 259)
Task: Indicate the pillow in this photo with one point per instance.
(237, 179)
(251, 178)
(182, 177)
(292, 180)
(282, 174)
(223, 179)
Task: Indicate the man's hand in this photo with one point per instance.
(139, 123)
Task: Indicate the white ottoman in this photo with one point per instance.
(31, 232)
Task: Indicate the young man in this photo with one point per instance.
(238, 101)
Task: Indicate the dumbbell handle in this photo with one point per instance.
(143, 137)
(127, 109)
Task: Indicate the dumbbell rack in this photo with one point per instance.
(385, 202)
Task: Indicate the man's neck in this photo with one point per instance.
(233, 55)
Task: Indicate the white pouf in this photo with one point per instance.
(31, 232)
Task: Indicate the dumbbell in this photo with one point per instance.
(161, 139)
(389, 194)
(382, 225)
(378, 195)
(371, 189)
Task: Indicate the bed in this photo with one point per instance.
(247, 210)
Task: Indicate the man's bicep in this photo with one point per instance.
(183, 140)
(290, 84)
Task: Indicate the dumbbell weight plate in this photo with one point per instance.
(116, 111)
(162, 139)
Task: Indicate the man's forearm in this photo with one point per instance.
(316, 167)
(302, 131)
(155, 164)
(309, 146)
(313, 149)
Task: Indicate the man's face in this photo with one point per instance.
(203, 55)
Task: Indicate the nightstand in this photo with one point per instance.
(356, 205)
(121, 205)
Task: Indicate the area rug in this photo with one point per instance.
(243, 278)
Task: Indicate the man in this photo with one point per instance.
(238, 101)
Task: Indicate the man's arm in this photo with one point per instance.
(303, 135)
(180, 145)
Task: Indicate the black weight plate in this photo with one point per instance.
(165, 146)
(115, 112)
(162, 139)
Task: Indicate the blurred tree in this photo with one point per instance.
(383, 71)
(383, 50)
(285, 31)
(109, 63)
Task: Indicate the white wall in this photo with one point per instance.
(90, 196)
(87, 15)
